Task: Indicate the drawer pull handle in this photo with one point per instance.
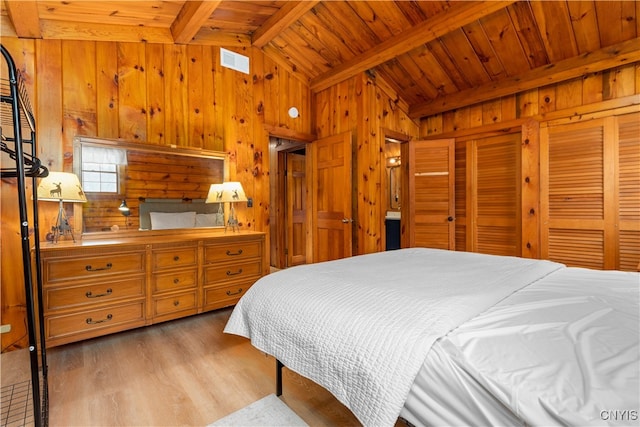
(91, 295)
(176, 281)
(231, 273)
(90, 321)
(234, 293)
(106, 267)
(234, 253)
(176, 258)
(176, 303)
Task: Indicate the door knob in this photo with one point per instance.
(450, 219)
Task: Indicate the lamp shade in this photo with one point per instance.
(61, 186)
(233, 192)
(215, 193)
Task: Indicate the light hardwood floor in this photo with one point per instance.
(185, 372)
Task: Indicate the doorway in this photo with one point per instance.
(288, 192)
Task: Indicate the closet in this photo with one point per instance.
(20, 164)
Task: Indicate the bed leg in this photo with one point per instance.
(279, 366)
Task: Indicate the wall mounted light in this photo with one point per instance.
(293, 112)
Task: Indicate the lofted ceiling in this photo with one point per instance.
(434, 56)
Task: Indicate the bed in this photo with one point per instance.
(440, 337)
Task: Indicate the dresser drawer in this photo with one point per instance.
(224, 296)
(174, 281)
(95, 322)
(91, 267)
(175, 303)
(104, 292)
(235, 251)
(172, 258)
(239, 271)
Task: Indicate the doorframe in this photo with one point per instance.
(397, 137)
(281, 141)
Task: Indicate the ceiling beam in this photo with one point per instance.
(191, 18)
(609, 57)
(453, 18)
(286, 16)
(25, 19)
(65, 30)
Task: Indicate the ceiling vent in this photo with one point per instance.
(235, 61)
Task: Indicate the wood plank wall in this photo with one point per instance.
(148, 93)
(364, 106)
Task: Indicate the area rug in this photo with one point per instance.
(268, 411)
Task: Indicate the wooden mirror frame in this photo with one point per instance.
(216, 171)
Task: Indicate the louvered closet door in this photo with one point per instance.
(578, 197)
(494, 197)
(629, 191)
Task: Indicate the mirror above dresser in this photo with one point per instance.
(117, 175)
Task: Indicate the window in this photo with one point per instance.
(100, 169)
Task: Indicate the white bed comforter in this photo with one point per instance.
(563, 351)
(361, 327)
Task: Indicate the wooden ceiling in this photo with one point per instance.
(434, 55)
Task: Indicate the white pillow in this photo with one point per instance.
(166, 220)
(208, 220)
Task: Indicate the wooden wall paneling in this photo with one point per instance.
(591, 86)
(78, 94)
(569, 94)
(155, 93)
(271, 92)
(262, 161)
(629, 191)
(48, 103)
(546, 99)
(619, 82)
(207, 108)
(195, 96)
(131, 87)
(48, 106)
(508, 108)
(492, 111)
(239, 86)
(370, 207)
(107, 84)
(176, 95)
(527, 103)
(530, 190)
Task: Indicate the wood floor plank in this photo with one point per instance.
(184, 372)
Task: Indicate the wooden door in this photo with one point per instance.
(580, 207)
(493, 199)
(432, 193)
(296, 209)
(332, 198)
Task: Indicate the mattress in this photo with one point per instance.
(562, 351)
(362, 326)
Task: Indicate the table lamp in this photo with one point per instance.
(227, 192)
(61, 187)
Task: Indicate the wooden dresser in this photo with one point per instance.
(96, 287)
